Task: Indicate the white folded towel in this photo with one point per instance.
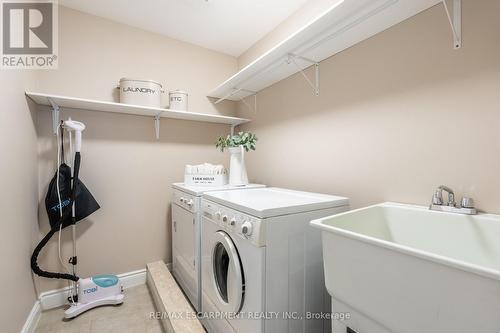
(205, 169)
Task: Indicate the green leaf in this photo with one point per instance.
(245, 139)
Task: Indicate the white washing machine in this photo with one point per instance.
(186, 203)
(262, 268)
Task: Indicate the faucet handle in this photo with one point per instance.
(467, 202)
(437, 198)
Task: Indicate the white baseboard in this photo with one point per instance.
(33, 317)
(59, 297)
(133, 279)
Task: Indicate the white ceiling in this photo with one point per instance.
(228, 26)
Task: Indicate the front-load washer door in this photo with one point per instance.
(227, 274)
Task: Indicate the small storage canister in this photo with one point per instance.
(140, 92)
(178, 100)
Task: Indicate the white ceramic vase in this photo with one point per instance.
(237, 170)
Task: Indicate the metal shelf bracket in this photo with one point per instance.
(455, 20)
(232, 93)
(223, 98)
(157, 126)
(315, 86)
(254, 109)
(56, 115)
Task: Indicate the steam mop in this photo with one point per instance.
(67, 202)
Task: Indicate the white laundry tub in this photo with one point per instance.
(407, 269)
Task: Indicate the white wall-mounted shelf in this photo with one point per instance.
(343, 25)
(56, 102)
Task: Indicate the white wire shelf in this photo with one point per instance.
(343, 25)
(56, 102)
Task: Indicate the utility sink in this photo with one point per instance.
(402, 268)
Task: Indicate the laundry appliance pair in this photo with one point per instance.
(186, 235)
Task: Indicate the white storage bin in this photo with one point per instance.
(178, 100)
(140, 92)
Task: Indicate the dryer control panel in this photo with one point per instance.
(185, 200)
(234, 222)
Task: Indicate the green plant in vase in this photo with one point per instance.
(246, 139)
(236, 145)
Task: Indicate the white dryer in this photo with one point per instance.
(186, 203)
(262, 268)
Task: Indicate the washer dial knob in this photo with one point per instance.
(246, 228)
(218, 215)
(224, 219)
(232, 222)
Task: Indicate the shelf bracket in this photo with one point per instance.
(315, 86)
(223, 98)
(157, 126)
(455, 22)
(232, 93)
(254, 103)
(56, 115)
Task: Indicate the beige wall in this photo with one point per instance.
(308, 12)
(125, 167)
(398, 115)
(18, 198)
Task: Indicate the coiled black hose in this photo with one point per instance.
(38, 271)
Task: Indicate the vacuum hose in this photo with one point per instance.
(38, 271)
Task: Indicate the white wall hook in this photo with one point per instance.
(455, 22)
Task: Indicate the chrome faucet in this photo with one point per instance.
(466, 206)
(437, 198)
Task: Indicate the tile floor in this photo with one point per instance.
(132, 316)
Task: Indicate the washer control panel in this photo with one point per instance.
(235, 222)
